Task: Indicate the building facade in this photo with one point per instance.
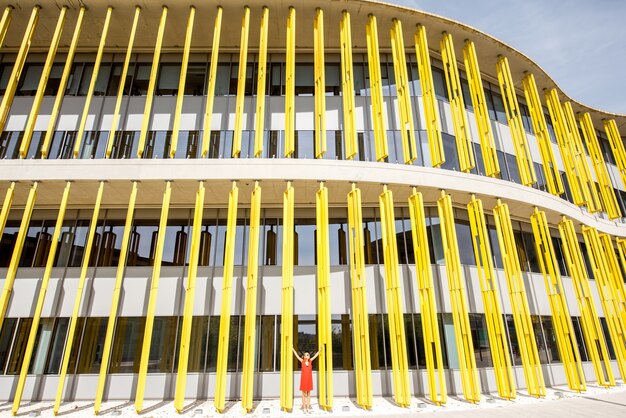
(191, 191)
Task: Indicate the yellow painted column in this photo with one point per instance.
(514, 119)
(190, 294)
(208, 110)
(18, 66)
(607, 193)
(561, 319)
(290, 84)
(592, 329)
(457, 105)
(147, 110)
(347, 86)
(498, 342)
(608, 295)
(430, 324)
(286, 318)
(181, 82)
(6, 207)
(565, 143)
(483, 122)
(617, 146)
(45, 280)
(458, 300)
(251, 299)
(582, 166)
(17, 253)
(92, 82)
(47, 67)
(519, 302)
(397, 338)
(320, 83)
(152, 300)
(67, 69)
(550, 168)
(117, 290)
(77, 301)
(616, 278)
(324, 321)
(378, 103)
(431, 109)
(360, 320)
(241, 82)
(120, 89)
(224, 336)
(407, 129)
(5, 22)
(261, 81)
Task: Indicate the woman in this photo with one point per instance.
(306, 377)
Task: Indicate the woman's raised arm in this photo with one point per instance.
(296, 354)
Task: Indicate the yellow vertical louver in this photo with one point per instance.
(378, 103)
(457, 105)
(514, 119)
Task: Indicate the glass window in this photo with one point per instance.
(83, 87)
(94, 144)
(141, 80)
(157, 144)
(213, 342)
(234, 78)
(580, 340)
(379, 341)
(54, 80)
(36, 142)
(338, 241)
(305, 339)
(163, 344)
(222, 80)
(342, 342)
(197, 345)
(361, 85)
(125, 144)
(464, 240)
(305, 80)
(550, 336)
(188, 144)
(91, 346)
(516, 355)
(168, 78)
(304, 144)
(194, 82)
(6, 338)
(5, 75)
(414, 83)
(115, 79)
(29, 80)
(62, 146)
(498, 105)
(304, 242)
(539, 338)
(531, 252)
(102, 82)
(54, 354)
(450, 152)
(269, 339)
(607, 335)
(511, 163)
(126, 351)
(277, 79)
(439, 80)
(467, 95)
(332, 75)
(480, 339)
(10, 144)
(20, 339)
(142, 244)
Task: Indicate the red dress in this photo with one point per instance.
(306, 376)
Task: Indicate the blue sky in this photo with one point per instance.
(581, 44)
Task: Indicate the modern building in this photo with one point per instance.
(189, 192)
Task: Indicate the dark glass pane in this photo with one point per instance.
(163, 344)
(126, 352)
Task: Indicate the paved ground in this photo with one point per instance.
(595, 402)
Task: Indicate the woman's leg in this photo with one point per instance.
(303, 400)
